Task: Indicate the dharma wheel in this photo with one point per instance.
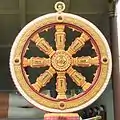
(74, 57)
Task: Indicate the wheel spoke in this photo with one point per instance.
(61, 85)
(85, 61)
(36, 62)
(43, 79)
(60, 36)
(78, 43)
(43, 45)
(78, 78)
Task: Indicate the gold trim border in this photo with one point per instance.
(50, 103)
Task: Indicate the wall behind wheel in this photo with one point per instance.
(14, 14)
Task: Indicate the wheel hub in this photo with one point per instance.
(61, 61)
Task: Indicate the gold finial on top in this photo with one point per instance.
(59, 6)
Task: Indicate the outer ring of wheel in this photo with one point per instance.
(54, 106)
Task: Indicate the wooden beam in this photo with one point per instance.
(116, 68)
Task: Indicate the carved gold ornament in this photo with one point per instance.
(60, 61)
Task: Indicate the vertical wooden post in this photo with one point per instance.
(4, 105)
(116, 66)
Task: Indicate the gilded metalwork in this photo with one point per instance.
(42, 44)
(43, 79)
(78, 43)
(61, 62)
(85, 61)
(78, 78)
(36, 62)
(61, 85)
(60, 37)
(59, 6)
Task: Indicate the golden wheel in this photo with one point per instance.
(61, 61)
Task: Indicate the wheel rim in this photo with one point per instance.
(60, 62)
